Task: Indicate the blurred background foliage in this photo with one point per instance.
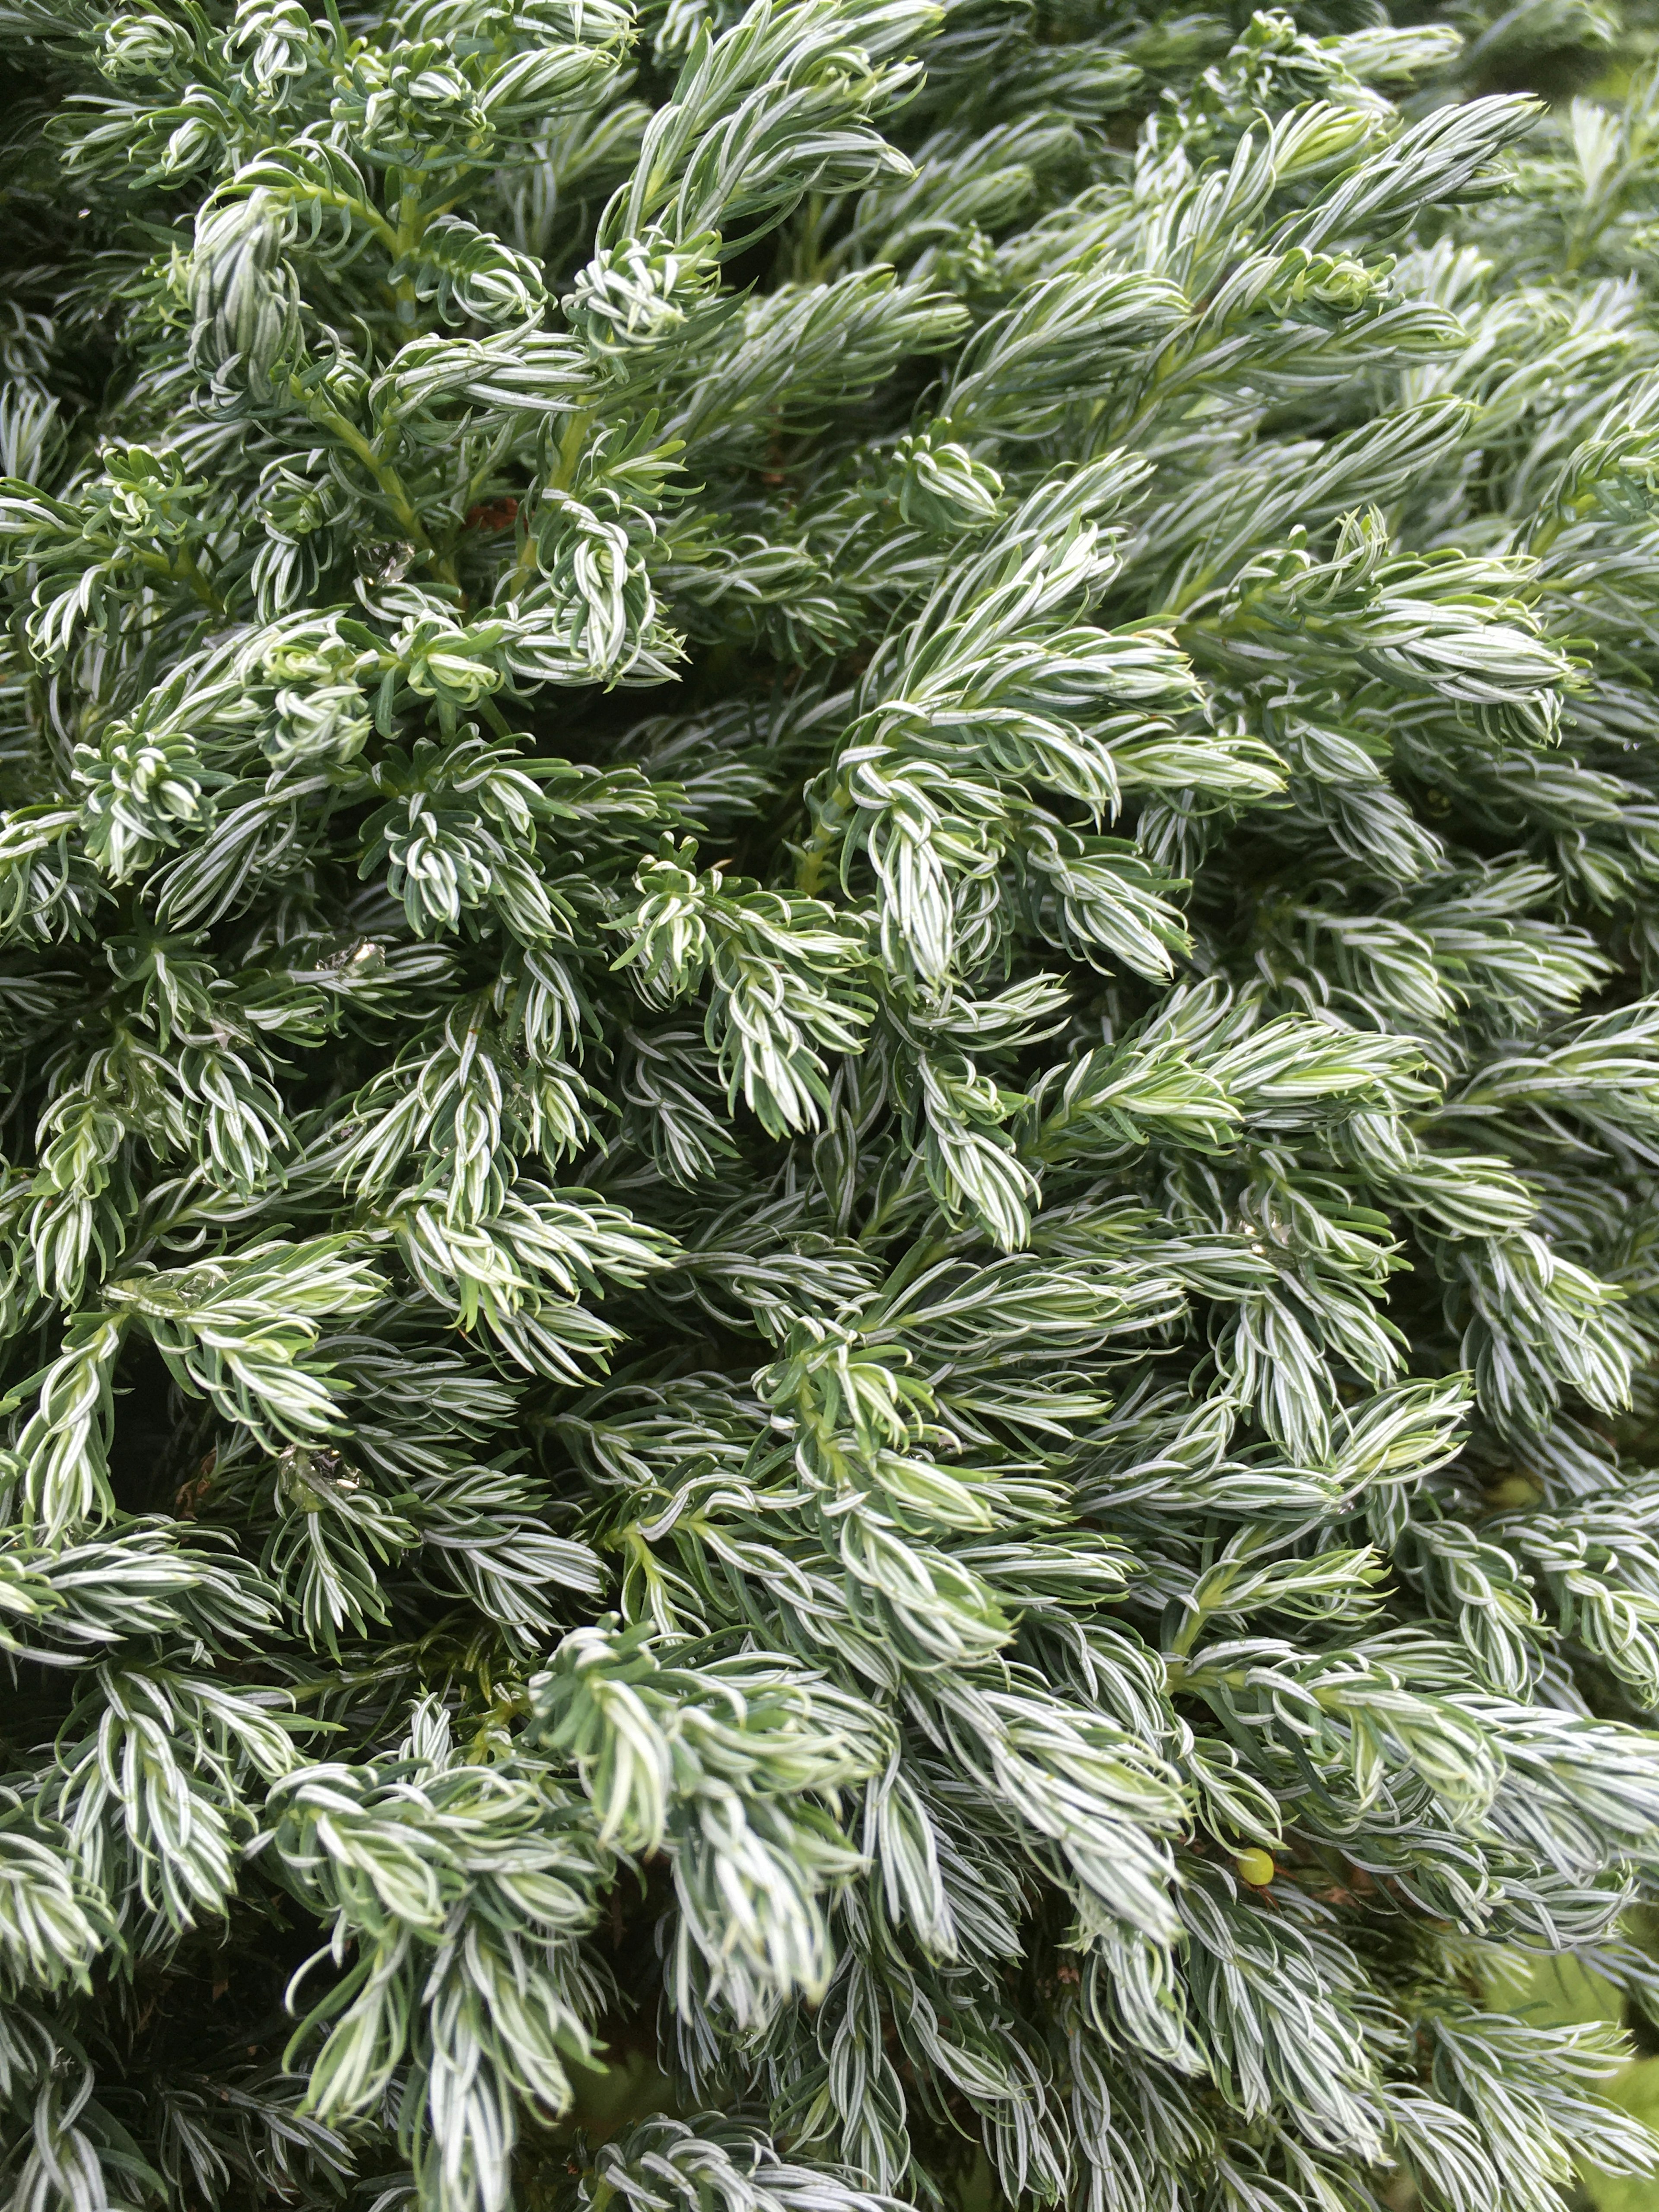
(1558, 1990)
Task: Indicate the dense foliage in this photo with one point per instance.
(831, 873)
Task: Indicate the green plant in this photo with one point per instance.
(832, 855)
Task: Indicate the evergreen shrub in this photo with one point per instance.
(831, 1030)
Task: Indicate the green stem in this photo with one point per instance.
(395, 491)
(813, 857)
(182, 568)
(572, 446)
(349, 204)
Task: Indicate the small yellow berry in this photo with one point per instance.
(1513, 1490)
(1256, 1867)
